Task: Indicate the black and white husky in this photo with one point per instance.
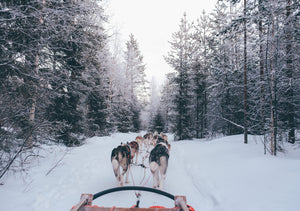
(158, 160)
(121, 158)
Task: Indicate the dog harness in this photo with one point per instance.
(127, 150)
(159, 150)
(134, 145)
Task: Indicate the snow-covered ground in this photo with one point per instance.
(218, 175)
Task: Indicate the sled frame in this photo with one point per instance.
(85, 204)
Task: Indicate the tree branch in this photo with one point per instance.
(227, 120)
(16, 155)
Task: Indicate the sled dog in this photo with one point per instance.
(147, 139)
(134, 147)
(164, 136)
(160, 138)
(139, 140)
(121, 158)
(158, 160)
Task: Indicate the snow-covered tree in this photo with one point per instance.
(200, 73)
(49, 48)
(135, 89)
(226, 104)
(154, 103)
(80, 63)
(167, 106)
(180, 59)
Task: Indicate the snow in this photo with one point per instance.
(216, 175)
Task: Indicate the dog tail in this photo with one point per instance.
(164, 163)
(119, 156)
(115, 165)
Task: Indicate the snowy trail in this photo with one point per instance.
(204, 197)
(219, 175)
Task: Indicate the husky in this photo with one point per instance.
(121, 158)
(147, 139)
(134, 147)
(158, 160)
(164, 136)
(139, 140)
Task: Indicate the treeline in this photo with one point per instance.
(236, 70)
(59, 79)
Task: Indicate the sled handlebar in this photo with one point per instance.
(111, 190)
(85, 203)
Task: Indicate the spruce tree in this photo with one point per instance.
(180, 59)
(135, 84)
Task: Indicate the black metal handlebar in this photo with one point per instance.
(111, 190)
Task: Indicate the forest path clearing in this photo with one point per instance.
(218, 175)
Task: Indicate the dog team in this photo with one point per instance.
(157, 150)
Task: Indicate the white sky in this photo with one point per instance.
(152, 22)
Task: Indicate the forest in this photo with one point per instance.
(236, 71)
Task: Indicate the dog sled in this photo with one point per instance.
(85, 203)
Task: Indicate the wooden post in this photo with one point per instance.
(85, 199)
(180, 201)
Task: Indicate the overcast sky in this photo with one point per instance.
(152, 22)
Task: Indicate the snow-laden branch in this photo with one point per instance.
(227, 120)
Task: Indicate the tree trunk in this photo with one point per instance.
(33, 104)
(197, 116)
(245, 76)
(289, 71)
(261, 68)
(272, 126)
(205, 109)
(262, 74)
(36, 72)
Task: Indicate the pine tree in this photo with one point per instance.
(167, 106)
(123, 115)
(97, 114)
(225, 71)
(79, 61)
(67, 117)
(135, 84)
(158, 123)
(154, 104)
(200, 72)
(180, 59)
(21, 76)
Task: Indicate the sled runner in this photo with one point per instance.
(85, 203)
